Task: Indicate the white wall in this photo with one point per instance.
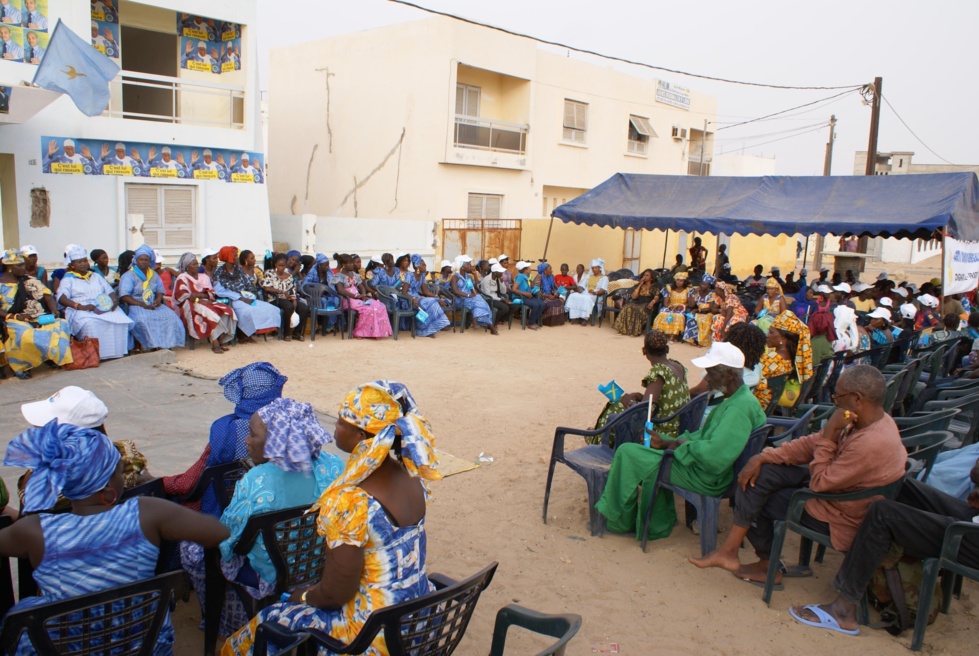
(736, 164)
(365, 237)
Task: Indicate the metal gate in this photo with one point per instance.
(481, 238)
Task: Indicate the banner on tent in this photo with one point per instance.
(961, 266)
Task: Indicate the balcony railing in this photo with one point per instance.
(150, 97)
(475, 132)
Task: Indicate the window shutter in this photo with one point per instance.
(460, 99)
(569, 114)
(493, 207)
(144, 199)
(475, 210)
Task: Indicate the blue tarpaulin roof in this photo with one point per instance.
(900, 205)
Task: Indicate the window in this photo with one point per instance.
(169, 216)
(467, 100)
(484, 206)
(575, 121)
(639, 133)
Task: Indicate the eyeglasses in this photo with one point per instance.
(837, 397)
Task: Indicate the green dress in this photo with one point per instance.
(703, 464)
(673, 396)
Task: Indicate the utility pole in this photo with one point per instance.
(817, 259)
(871, 168)
(703, 142)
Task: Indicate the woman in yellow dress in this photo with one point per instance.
(789, 352)
(770, 305)
(702, 306)
(671, 319)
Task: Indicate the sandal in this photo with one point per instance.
(23, 375)
(217, 349)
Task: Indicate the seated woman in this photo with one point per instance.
(435, 319)
(373, 519)
(523, 293)
(823, 334)
(155, 326)
(23, 300)
(91, 307)
(634, 315)
(672, 318)
(590, 287)
(231, 282)
(280, 290)
(444, 276)
(101, 261)
(549, 293)
(31, 267)
(700, 311)
(391, 274)
(751, 341)
(464, 290)
(194, 300)
(770, 305)
(372, 316)
(665, 386)
(880, 327)
(250, 389)
(729, 311)
(320, 272)
(254, 273)
(101, 543)
(285, 442)
(124, 263)
(789, 352)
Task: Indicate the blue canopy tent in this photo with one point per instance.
(912, 206)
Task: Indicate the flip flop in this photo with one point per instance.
(795, 571)
(826, 621)
(778, 587)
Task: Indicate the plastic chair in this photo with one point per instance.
(793, 428)
(924, 422)
(136, 611)
(776, 384)
(317, 293)
(431, 625)
(924, 449)
(892, 388)
(295, 549)
(351, 313)
(563, 627)
(968, 406)
(836, 368)
(949, 563)
(707, 506)
(617, 295)
(390, 297)
(220, 479)
(818, 381)
(793, 522)
(151, 488)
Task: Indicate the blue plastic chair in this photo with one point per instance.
(707, 506)
(321, 297)
(390, 297)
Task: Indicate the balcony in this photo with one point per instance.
(485, 134)
(149, 97)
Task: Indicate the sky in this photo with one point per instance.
(921, 50)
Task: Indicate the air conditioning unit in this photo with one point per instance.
(679, 133)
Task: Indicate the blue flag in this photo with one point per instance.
(73, 66)
(612, 391)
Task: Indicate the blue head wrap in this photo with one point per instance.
(542, 267)
(295, 436)
(416, 260)
(547, 284)
(707, 278)
(321, 259)
(66, 459)
(294, 252)
(145, 250)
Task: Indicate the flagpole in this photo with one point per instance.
(38, 69)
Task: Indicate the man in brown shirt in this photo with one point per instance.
(859, 447)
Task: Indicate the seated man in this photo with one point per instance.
(859, 447)
(916, 520)
(702, 459)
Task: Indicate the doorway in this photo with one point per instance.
(8, 203)
(155, 53)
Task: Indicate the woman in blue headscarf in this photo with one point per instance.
(141, 291)
(433, 320)
(553, 302)
(101, 543)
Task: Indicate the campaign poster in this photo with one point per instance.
(231, 56)
(199, 55)
(35, 15)
(105, 38)
(198, 27)
(161, 161)
(11, 42)
(230, 31)
(11, 12)
(105, 11)
(35, 45)
(4, 100)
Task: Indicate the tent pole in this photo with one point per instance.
(805, 253)
(548, 242)
(666, 244)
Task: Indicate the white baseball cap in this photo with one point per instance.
(493, 261)
(496, 268)
(901, 291)
(823, 289)
(803, 273)
(70, 405)
(882, 275)
(27, 249)
(720, 353)
(824, 270)
(909, 311)
(880, 313)
(861, 287)
(445, 263)
(464, 259)
(208, 252)
(886, 302)
(503, 257)
(521, 265)
(928, 300)
(843, 287)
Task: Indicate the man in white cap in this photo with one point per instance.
(106, 41)
(842, 294)
(246, 166)
(703, 460)
(864, 300)
(166, 161)
(858, 448)
(67, 155)
(726, 274)
(200, 55)
(908, 312)
(118, 157)
(493, 287)
(208, 163)
(776, 273)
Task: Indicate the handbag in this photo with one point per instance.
(84, 354)
(790, 395)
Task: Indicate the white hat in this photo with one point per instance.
(882, 275)
(913, 288)
(842, 287)
(598, 262)
(157, 256)
(823, 289)
(464, 259)
(27, 249)
(861, 287)
(880, 313)
(165, 150)
(521, 265)
(75, 252)
(244, 156)
(496, 268)
(68, 143)
(208, 252)
(719, 353)
(445, 263)
(824, 270)
(928, 300)
(207, 151)
(901, 291)
(493, 261)
(95, 25)
(120, 146)
(803, 273)
(774, 269)
(202, 44)
(70, 405)
(886, 302)
(909, 311)
(503, 257)
(376, 258)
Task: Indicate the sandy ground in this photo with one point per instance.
(503, 396)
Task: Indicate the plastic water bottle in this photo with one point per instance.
(647, 434)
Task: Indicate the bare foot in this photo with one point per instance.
(718, 558)
(848, 622)
(757, 572)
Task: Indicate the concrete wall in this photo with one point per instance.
(365, 237)
(736, 164)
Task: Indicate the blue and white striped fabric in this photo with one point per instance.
(436, 315)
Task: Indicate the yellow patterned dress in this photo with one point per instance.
(671, 319)
(28, 345)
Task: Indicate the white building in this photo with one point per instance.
(189, 88)
(737, 164)
(471, 136)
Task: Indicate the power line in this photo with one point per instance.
(770, 134)
(927, 147)
(615, 58)
(768, 116)
(765, 143)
